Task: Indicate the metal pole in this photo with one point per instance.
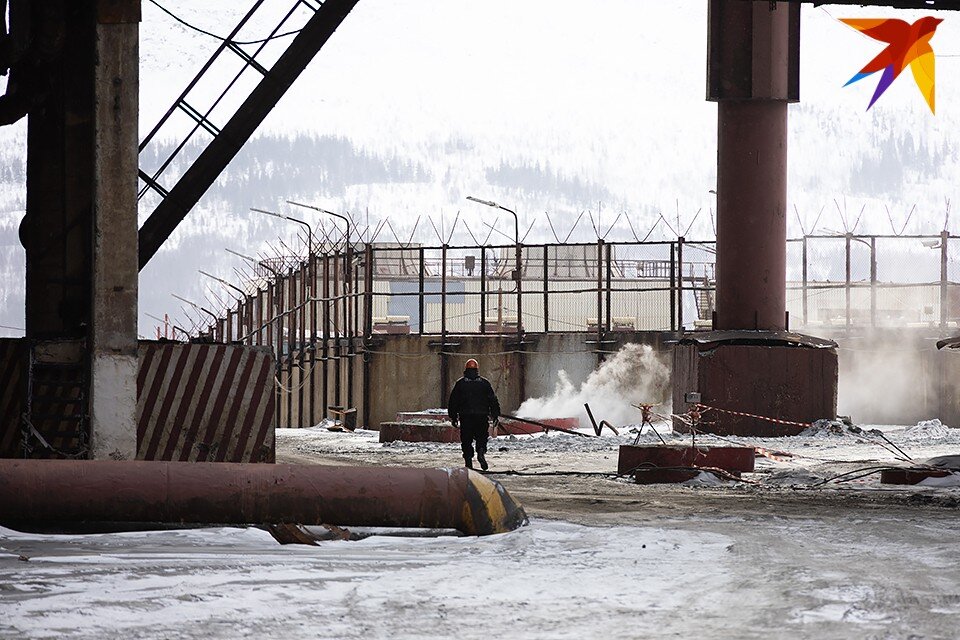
(367, 330)
(291, 219)
(609, 294)
(483, 290)
(680, 242)
(444, 379)
(247, 306)
(944, 255)
(302, 347)
(325, 335)
(258, 315)
(313, 337)
(420, 300)
(337, 330)
(519, 278)
(268, 316)
(673, 286)
(847, 282)
(546, 290)
(354, 329)
(291, 339)
(517, 275)
(806, 318)
(873, 282)
(599, 300)
(241, 322)
(278, 305)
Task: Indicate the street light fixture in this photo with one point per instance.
(254, 261)
(291, 219)
(223, 282)
(329, 213)
(198, 307)
(517, 273)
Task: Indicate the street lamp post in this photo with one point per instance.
(517, 273)
(347, 290)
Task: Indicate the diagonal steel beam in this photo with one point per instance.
(235, 133)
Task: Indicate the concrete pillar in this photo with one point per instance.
(113, 384)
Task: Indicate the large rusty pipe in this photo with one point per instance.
(751, 215)
(49, 491)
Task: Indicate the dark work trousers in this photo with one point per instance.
(473, 427)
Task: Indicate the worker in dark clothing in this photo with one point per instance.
(472, 402)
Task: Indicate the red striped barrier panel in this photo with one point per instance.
(205, 402)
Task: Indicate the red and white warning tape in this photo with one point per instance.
(703, 408)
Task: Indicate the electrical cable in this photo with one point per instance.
(221, 38)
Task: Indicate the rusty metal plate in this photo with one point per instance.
(730, 459)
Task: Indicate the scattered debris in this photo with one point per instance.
(598, 428)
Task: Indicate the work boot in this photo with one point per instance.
(483, 461)
(468, 463)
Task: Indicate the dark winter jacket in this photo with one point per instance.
(472, 396)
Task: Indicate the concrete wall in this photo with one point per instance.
(409, 372)
(886, 376)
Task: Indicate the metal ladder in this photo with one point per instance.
(704, 297)
(224, 141)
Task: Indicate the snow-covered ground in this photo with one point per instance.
(792, 578)
(812, 458)
(773, 556)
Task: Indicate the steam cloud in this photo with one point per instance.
(634, 375)
(891, 380)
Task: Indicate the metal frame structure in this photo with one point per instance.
(312, 319)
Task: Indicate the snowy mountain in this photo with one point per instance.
(542, 105)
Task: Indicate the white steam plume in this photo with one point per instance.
(634, 375)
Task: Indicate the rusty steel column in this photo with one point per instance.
(749, 368)
(752, 222)
(52, 491)
(753, 73)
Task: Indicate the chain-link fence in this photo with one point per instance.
(842, 280)
(326, 311)
(848, 280)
